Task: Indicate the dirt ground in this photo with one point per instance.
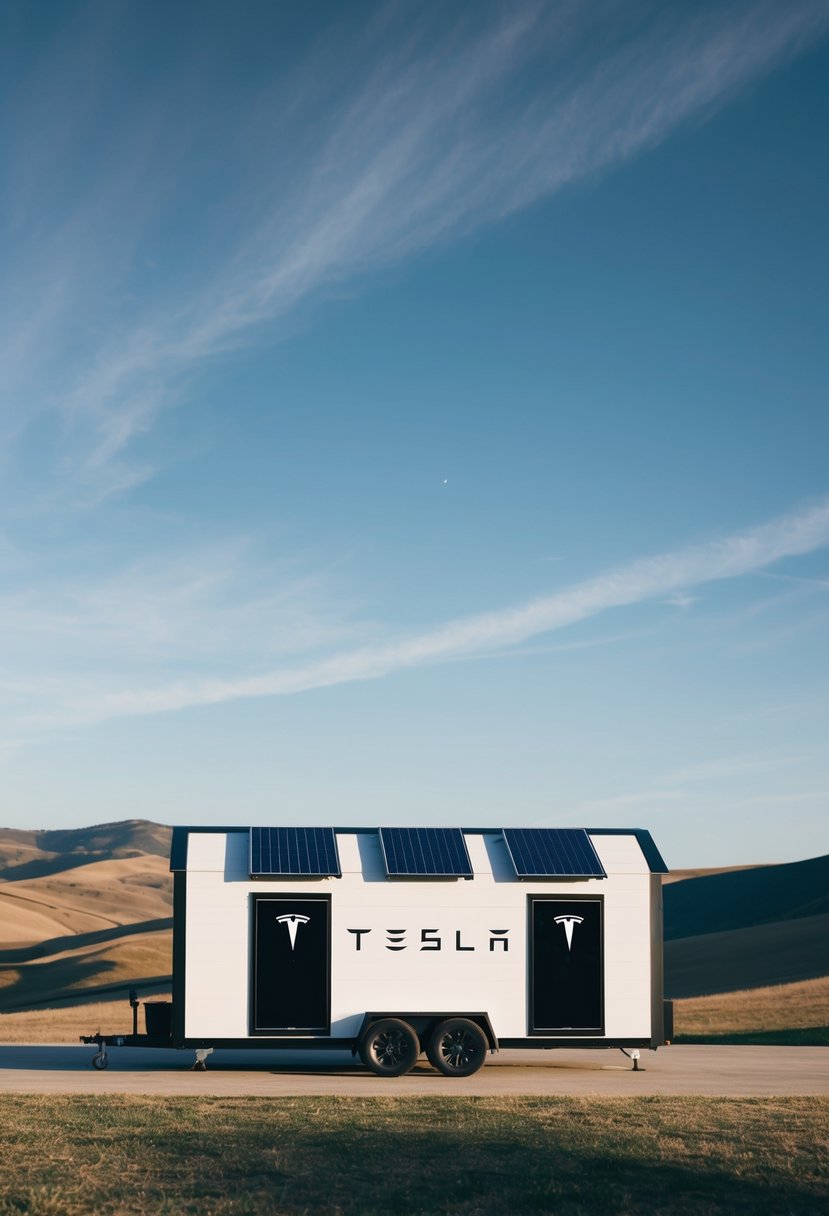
(675, 1070)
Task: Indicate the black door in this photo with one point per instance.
(566, 966)
(291, 964)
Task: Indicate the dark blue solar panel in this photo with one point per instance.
(425, 853)
(553, 853)
(293, 852)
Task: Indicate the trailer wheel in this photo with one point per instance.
(101, 1060)
(389, 1047)
(457, 1047)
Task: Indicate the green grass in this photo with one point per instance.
(798, 1036)
(67, 1156)
(794, 1014)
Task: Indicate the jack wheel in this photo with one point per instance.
(101, 1060)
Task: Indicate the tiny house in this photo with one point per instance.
(393, 941)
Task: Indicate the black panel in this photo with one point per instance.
(552, 853)
(293, 853)
(179, 951)
(178, 849)
(566, 966)
(425, 853)
(291, 964)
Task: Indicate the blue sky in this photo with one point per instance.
(417, 414)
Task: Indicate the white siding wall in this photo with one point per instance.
(483, 980)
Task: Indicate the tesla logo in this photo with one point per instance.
(293, 922)
(568, 922)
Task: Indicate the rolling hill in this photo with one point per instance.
(747, 928)
(31, 854)
(84, 914)
(738, 899)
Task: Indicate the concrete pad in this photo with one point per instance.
(715, 1071)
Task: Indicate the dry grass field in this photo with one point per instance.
(67, 1023)
(68, 973)
(797, 1013)
(83, 914)
(62, 1156)
(89, 898)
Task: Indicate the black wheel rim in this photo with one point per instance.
(390, 1049)
(458, 1049)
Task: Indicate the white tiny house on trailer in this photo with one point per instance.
(390, 941)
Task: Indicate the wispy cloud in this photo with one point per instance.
(480, 635)
(818, 797)
(190, 608)
(808, 580)
(724, 768)
(450, 128)
(624, 804)
(718, 780)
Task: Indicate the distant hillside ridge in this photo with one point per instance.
(785, 952)
(84, 911)
(33, 854)
(739, 899)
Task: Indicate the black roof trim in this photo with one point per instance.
(650, 852)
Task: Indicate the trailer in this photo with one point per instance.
(390, 942)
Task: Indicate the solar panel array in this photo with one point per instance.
(293, 853)
(425, 853)
(553, 853)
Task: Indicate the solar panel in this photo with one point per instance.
(552, 853)
(425, 853)
(293, 853)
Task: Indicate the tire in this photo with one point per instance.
(101, 1060)
(389, 1047)
(457, 1047)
